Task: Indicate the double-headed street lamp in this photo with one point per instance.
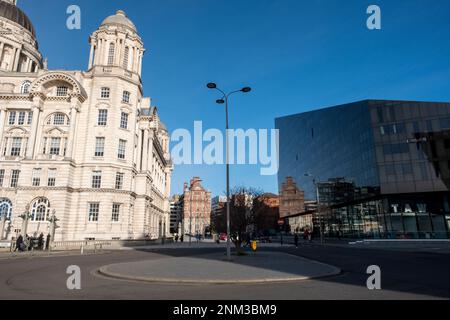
(318, 204)
(224, 100)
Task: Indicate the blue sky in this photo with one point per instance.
(297, 55)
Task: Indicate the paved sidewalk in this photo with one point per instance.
(259, 267)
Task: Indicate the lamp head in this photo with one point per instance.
(211, 85)
(246, 89)
(220, 101)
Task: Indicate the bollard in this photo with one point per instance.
(82, 249)
(254, 246)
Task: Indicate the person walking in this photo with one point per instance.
(176, 238)
(296, 240)
(181, 238)
(19, 244)
(47, 242)
(41, 242)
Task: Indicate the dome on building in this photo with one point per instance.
(120, 18)
(13, 13)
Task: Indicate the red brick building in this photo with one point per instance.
(196, 207)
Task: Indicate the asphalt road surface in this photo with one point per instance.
(404, 275)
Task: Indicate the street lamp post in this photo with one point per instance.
(224, 100)
(318, 204)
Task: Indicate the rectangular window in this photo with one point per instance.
(104, 93)
(51, 177)
(102, 117)
(407, 168)
(119, 181)
(2, 177)
(61, 91)
(12, 118)
(122, 148)
(21, 118)
(55, 146)
(97, 179)
(36, 177)
(16, 147)
(99, 146)
(15, 178)
(125, 58)
(30, 118)
(445, 123)
(94, 209)
(397, 148)
(126, 97)
(111, 54)
(124, 120)
(59, 119)
(115, 212)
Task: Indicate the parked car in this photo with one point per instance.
(223, 237)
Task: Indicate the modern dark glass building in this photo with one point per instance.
(381, 168)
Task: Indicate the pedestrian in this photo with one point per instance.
(41, 241)
(47, 242)
(176, 238)
(309, 236)
(19, 244)
(181, 238)
(296, 240)
(28, 242)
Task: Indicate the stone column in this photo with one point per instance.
(150, 149)
(2, 124)
(2, 45)
(140, 64)
(2, 226)
(16, 59)
(73, 122)
(146, 151)
(33, 133)
(91, 54)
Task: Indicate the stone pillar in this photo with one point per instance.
(140, 63)
(2, 124)
(16, 59)
(91, 56)
(2, 45)
(150, 150)
(146, 151)
(73, 122)
(33, 133)
(2, 226)
(139, 151)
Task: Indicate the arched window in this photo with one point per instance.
(111, 54)
(58, 119)
(5, 208)
(25, 87)
(126, 58)
(40, 210)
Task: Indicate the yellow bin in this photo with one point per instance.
(254, 245)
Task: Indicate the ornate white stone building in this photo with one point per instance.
(84, 145)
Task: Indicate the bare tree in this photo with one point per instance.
(242, 215)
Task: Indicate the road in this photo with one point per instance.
(405, 275)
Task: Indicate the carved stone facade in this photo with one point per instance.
(86, 145)
(196, 208)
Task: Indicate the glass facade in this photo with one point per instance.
(381, 168)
